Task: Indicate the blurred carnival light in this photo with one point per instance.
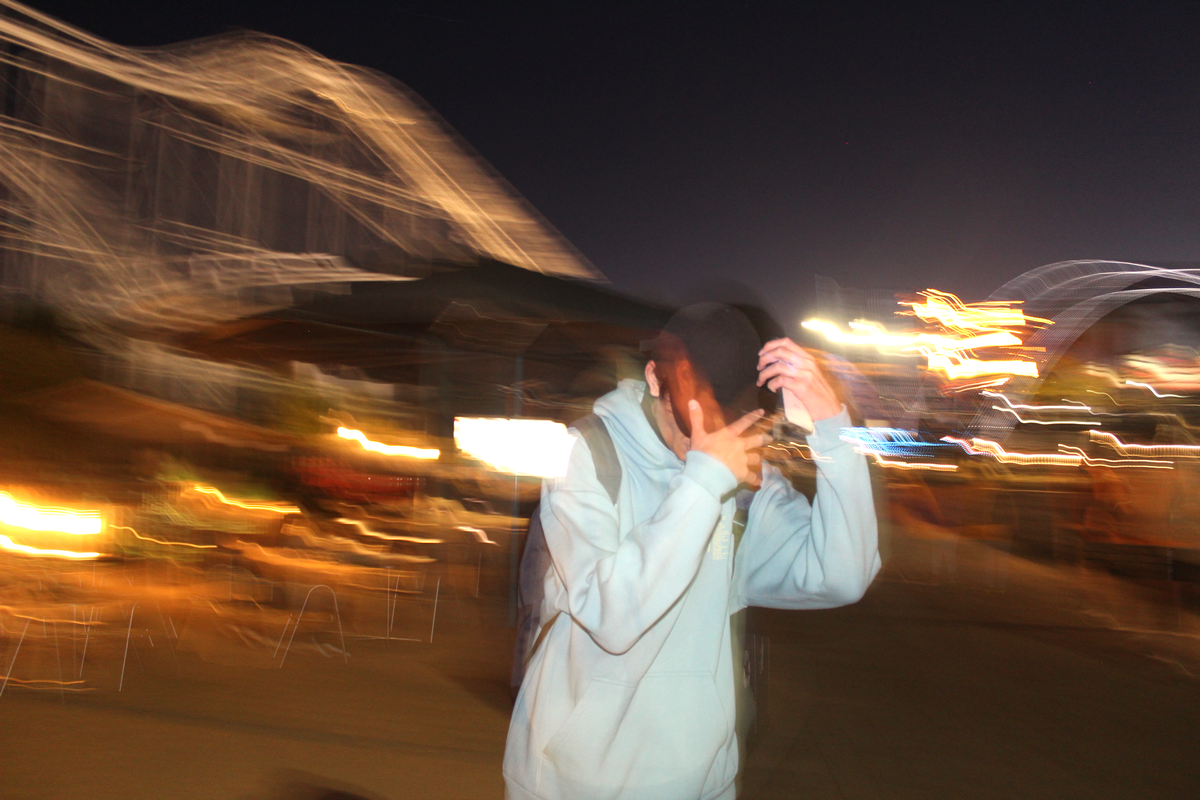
(1170, 367)
(252, 103)
(955, 315)
(534, 447)
(960, 329)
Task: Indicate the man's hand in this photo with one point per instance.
(730, 445)
(783, 364)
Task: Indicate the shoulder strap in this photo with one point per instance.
(604, 454)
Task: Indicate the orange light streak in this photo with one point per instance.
(13, 612)
(387, 536)
(275, 508)
(387, 449)
(163, 541)
(8, 544)
(883, 462)
(70, 686)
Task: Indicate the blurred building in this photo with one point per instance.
(228, 225)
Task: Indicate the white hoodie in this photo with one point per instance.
(630, 695)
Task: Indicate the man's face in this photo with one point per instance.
(675, 426)
(676, 384)
(678, 441)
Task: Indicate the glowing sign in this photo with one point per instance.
(536, 447)
(37, 518)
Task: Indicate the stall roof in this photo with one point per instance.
(491, 308)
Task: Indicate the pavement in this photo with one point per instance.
(966, 672)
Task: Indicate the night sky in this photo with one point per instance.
(736, 150)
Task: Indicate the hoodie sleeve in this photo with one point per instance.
(618, 587)
(793, 555)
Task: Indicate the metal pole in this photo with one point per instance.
(514, 548)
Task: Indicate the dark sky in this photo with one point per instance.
(684, 146)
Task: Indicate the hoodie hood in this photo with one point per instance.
(634, 438)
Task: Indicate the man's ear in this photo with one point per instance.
(652, 379)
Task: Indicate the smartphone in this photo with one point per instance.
(794, 411)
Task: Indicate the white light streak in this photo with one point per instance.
(1028, 421)
(986, 447)
(1074, 405)
(1114, 463)
(1126, 449)
(1153, 391)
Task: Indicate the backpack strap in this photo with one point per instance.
(604, 454)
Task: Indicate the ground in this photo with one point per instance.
(966, 672)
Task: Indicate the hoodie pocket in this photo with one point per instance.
(656, 740)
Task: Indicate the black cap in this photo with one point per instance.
(722, 347)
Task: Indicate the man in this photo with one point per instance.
(630, 694)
